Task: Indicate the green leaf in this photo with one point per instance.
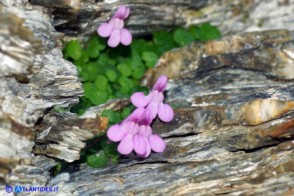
(162, 37)
(120, 94)
(74, 49)
(195, 32)
(118, 52)
(112, 116)
(93, 69)
(103, 142)
(109, 91)
(150, 58)
(101, 82)
(125, 82)
(103, 59)
(124, 69)
(96, 96)
(164, 41)
(101, 43)
(99, 97)
(142, 89)
(135, 60)
(84, 76)
(94, 46)
(125, 90)
(125, 112)
(141, 45)
(111, 75)
(58, 168)
(182, 37)
(111, 150)
(92, 50)
(138, 72)
(209, 32)
(89, 89)
(82, 60)
(97, 161)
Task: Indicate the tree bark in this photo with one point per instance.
(234, 100)
(81, 18)
(233, 128)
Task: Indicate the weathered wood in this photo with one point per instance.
(34, 78)
(148, 16)
(233, 129)
(115, 104)
(270, 52)
(63, 136)
(234, 100)
(222, 172)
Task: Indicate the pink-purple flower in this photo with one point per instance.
(125, 131)
(135, 133)
(154, 101)
(114, 29)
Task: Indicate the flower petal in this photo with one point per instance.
(115, 133)
(117, 23)
(152, 109)
(136, 116)
(126, 145)
(114, 38)
(148, 131)
(139, 145)
(148, 118)
(148, 148)
(165, 112)
(127, 12)
(157, 143)
(105, 29)
(130, 127)
(138, 99)
(160, 84)
(145, 131)
(122, 12)
(125, 37)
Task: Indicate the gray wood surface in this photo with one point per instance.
(234, 98)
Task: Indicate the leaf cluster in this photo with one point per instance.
(108, 73)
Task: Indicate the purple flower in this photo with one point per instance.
(154, 101)
(144, 141)
(135, 133)
(114, 28)
(125, 131)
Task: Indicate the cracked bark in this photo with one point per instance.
(233, 126)
(234, 100)
(81, 18)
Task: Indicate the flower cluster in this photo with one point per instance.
(135, 132)
(114, 29)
